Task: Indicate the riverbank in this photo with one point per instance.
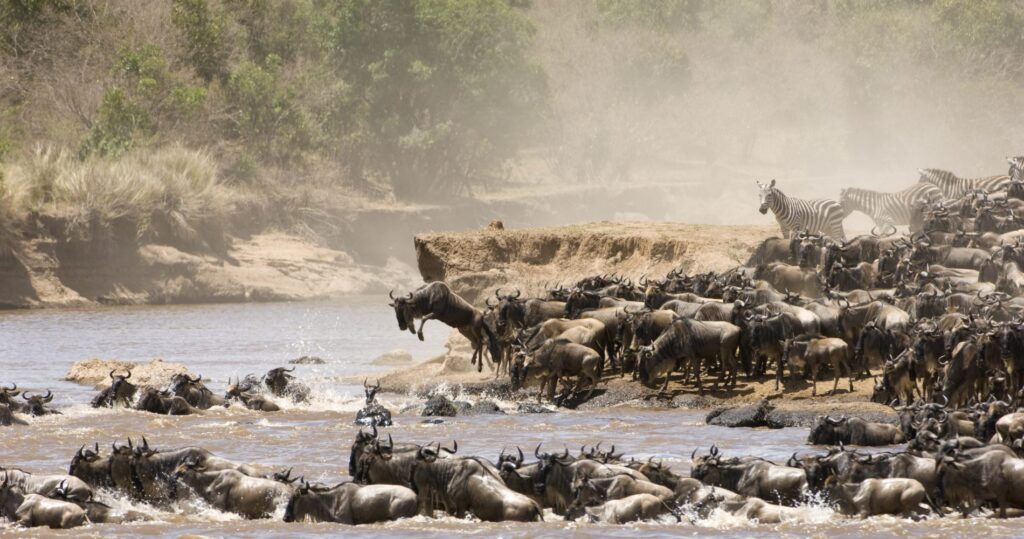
(475, 263)
(52, 272)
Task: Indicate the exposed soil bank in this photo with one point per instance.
(50, 271)
(792, 406)
(475, 263)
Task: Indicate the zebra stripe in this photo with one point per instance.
(954, 187)
(890, 208)
(821, 216)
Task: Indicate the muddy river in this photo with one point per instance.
(38, 348)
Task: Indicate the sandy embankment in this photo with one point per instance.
(96, 372)
(476, 263)
(48, 272)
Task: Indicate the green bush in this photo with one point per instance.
(203, 34)
(114, 131)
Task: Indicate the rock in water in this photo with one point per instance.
(741, 416)
(394, 357)
(533, 408)
(374, 415)
(307, 360)
(439, 405)
(484, 407)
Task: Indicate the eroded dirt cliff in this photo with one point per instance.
(477, 262)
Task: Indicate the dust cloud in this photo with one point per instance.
(684, 116)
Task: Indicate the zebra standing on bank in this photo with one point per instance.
(1016, 168)
(820, 216)
(954, 188)
(897, 208)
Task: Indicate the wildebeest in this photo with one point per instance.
(591, 491)
(7, 417)
(119, 392)
(153, 471)
(30, 510)
(993, 476)
(624, 510)
(36, 405)
(751, 477)
(194, 391)
(244, 391)
(814, 352)
(281, 383)
(232, 491)
(560, 358)
(350, 503)
(468, 485)
(47, 485)
(373, 413)
(889, 496)
(160, 402)
(435, 301)
(693, 341)
(854, 431)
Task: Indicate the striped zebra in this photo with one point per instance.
(890, 208)
(1016, 168)
(954, 188)
(822, 216)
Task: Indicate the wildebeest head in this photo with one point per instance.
(370, 391)
(121, 390)
(508, 461)
(363, 442)
(403, 311)
(7, 394)
(824, 431)
(36, 404)
(277, 379)
(88, 466)
(767, 196)
(509, 309)
(546, 462)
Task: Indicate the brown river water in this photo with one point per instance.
(37, 348)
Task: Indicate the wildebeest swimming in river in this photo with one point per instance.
(435, 301)
(374, 413)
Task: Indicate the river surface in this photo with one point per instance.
(37, 349)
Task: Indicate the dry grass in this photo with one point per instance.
(178, 184)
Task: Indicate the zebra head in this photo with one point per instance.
(767, 196)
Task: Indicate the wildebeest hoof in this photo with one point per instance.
(420, 335)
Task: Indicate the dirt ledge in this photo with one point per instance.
(475, 263)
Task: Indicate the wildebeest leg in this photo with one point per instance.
(552, 386)
(428, 316)
(695, 365)
(778, 372)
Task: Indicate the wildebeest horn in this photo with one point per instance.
(694, 454)
(391, 294)
(453, 450)
(391, 443)
(487, 302)
(714, 450)
(520, 454)
(79, 453)
(536, 451)
(517, 294)
(112, 374)
(874, 230)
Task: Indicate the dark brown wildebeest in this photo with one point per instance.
(435, 301)
(813, 352)
(244, 390)
(159, 402)
(194, 391)
(692, 341)
(119, 392)
(751, 477)
(35, 405)
(854, 431)
(281, 383)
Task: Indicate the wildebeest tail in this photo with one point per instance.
(931, 503)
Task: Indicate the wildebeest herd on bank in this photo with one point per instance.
(934, 316)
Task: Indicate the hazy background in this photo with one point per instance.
(305, 114)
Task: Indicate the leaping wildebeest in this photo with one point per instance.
(435, 301)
